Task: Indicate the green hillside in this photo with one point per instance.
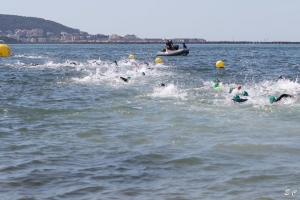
(12, 22)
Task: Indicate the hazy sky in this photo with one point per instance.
(213, 20)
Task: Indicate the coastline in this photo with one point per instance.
(140, 42)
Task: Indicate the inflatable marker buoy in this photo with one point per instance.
(219, 64)
(131, 56)
(4, 50)
(158, 60)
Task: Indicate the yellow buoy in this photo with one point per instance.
(158, 60)
(4, 50)
(131, 56)
(219, 64)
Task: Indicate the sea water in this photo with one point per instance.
(70, 128)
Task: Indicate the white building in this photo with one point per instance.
(130, 37)
(13, 36)
(114, 37)
(32, 40)
(43, 40)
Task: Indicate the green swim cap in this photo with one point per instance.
(236, 96)
(216, 85)
(272, 99)
(128, 77)
(143, 73)
(245, 93)
(214, 80)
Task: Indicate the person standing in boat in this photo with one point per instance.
(168, 45)
(171, 44)
(184, 46)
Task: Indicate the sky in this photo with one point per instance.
(212, 20)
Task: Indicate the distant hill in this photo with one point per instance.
(12, 22)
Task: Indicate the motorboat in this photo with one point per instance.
(178, 52)
(173, 50)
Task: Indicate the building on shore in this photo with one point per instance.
(130, 37)
(189, 40)
(114, 37)
(153, 40)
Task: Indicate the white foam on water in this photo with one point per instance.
(18, 64)
(29, 56)
(97, 70)
(170, 90)
(259, 93)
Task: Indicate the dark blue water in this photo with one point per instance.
(70, 128)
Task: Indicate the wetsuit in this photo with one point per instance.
(184, 46)
(282, 96)
(124, 79)
(114, 62)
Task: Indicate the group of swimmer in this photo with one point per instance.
(137, 65)
(143, 73)
(236, 98)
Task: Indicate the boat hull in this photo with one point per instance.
(180, 52)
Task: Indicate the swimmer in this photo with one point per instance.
(238, 87)
(95, 61)
(217, 86)
(137, 65)
(236, 98)
(281, 78)
(245, 93)
(124, 79)
(215, 80)
(146, 63)
(217, 83)
(161, 85)
(143, 73)
(273, 99)
(71, 62)
(114, 62)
